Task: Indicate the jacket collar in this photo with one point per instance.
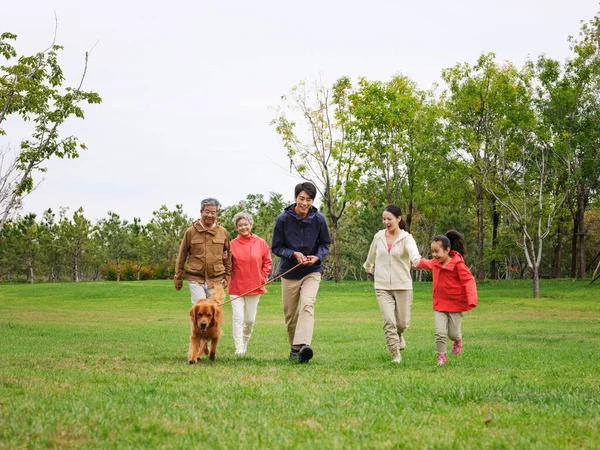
(201, 229)
(456, 259)
(312, 212)
(402, 235)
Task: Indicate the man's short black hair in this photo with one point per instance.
(307, 187)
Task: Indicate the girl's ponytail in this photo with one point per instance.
(457, 242)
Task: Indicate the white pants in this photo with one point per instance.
(199, 290)
(244, 315)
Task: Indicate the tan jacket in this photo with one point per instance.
(204, 249)
(392, 268)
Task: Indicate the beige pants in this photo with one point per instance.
(447, 324)
(395, 311)
(243, 316)
(299, 297)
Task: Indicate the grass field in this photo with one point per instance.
(104, 365)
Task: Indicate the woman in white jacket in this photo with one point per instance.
(390, 259)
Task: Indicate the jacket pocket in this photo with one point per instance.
(455, 294)
(219, 269)
(197, 246)
(195, 267)
(218, 241)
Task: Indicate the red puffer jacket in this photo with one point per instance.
(454, 288)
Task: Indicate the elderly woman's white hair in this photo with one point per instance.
(243, 215)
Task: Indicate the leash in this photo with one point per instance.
(258, 287)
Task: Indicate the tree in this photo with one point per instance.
(526, 168)
(166, 229)
(50, 250)
(75, 237)
(139, 245)
(319, 151)
(28, 232)
(115, 235)
(32, 88)
(570, 108)
(473, 105)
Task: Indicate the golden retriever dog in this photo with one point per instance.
(207, 320)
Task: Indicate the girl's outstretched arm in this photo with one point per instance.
(426, 264)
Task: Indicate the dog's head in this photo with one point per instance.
(202, 314)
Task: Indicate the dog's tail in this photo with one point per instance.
(218, 294)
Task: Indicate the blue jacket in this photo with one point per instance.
(309, 236)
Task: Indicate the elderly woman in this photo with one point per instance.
(251, 266)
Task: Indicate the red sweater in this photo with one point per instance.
(454, 288)
(251, 265)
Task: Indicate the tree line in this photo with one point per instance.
(509, 156)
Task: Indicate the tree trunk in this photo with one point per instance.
(573, 272)
(31, 277)
(118, 271)
(76, 269)
(480, 265)
(495, 222)
(536, 282)
(337, 275)
(581, 204)
(558, 250)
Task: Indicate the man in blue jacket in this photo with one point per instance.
(301, 236)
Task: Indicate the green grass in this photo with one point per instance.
(104, 365)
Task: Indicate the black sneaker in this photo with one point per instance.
(295, 355)
(305, 354)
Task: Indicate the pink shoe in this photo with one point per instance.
(457, 347)
(441, 359)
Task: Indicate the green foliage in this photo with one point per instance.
(32, 88)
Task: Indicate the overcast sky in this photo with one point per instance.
(189, 87)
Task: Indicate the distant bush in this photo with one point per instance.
(129, 271)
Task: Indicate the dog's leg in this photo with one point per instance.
(193, 351)
(202, 349)
(213, 348)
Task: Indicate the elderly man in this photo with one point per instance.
(205, 247)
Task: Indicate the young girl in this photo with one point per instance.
(454, 289)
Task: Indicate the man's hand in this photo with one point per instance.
(310, 260)
(299, 257)
(224, 283)
(178, 283)
(371, 269)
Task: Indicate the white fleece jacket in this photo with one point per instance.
(392, 268)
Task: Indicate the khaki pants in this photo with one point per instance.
(447, 323)
(243, 317)
(395, 310)
(299, 297)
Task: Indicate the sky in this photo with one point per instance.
(189, 87)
